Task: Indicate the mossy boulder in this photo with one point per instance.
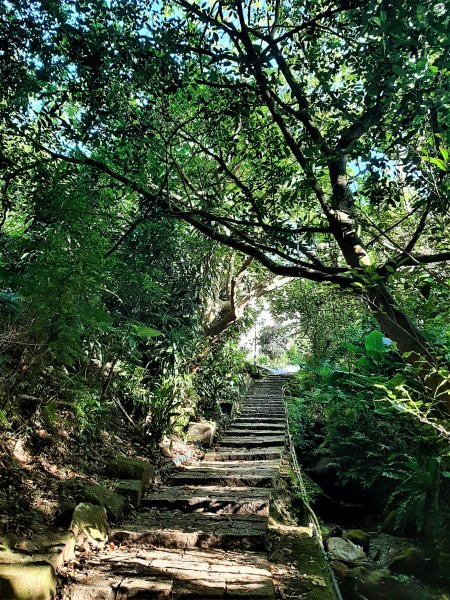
(44, 543)
(115, 504)
(89, 521)
(411, 561)
(202, 432)
(27, 581)
(358, 537)
(124, 467)
(345, 551)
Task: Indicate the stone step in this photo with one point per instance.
(175, 574)
(252, 419)
(233, 454)
(252, 442)
(249, 473)
(264, 409)
(266, 414)
(243, 425)
(174, 529)
(254, 432)
(263, 402)
(213, 499)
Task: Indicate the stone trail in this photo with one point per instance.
(203, 535)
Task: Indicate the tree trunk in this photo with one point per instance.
(410, 340)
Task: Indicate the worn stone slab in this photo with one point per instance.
(232, 464)
(144, 587)
(228, 500)
(264, 409)
(173, 573)
(230, 454)
(252, 419)
(254, 432)
(244, 425)
(252, 441)
(174, 529)
(262, 414)
(96, 588)
(244, 473)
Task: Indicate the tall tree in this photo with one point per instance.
(311, 136)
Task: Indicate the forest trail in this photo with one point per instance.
(203, 535)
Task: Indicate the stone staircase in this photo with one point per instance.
(204, 534)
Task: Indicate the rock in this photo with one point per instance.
(339, 568)
(411, 561)
(27, 581)
(124, 467)
(358, 537)
(342, 550)
(131, 489)
(115, 504)
(202, 433)
(44, 543)
(89, 521)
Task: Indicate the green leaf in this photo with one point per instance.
(144, 330)
(374, 343)
(438, 162)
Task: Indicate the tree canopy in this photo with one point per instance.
(311, 136)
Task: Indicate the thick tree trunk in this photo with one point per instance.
(410, 341)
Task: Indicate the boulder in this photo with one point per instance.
(378, 584)
(115, 504)
(358, 537)
(27, 581)
(131, 489)
(411, 561)
(89, 521)
(342, 550)
(124, 467)
(50, 544)
(202, 432)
